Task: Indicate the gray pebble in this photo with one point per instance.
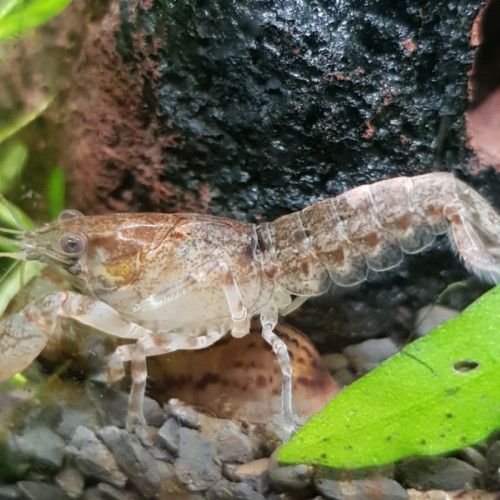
(430, 317)
(473, 457)
(34, 490)
(10, 492)
(47, 417)
(196, 466)
(93, 494)
(440, 473)
(367, 355)
(232, 445)
(112, 404)
(185, 415)
(109, 492)
(344, 377)
(169, 435)
(153, 412)
(491, 471)
(376, 488)
(93, 459)
(40, 446)
(335, 361)
(71, 481)
(149, 438)
(254, 473)
(72, 418)
(289, 477)
(138, 465)
(226, 490)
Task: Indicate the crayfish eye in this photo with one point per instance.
(72, 244)
(69, 214)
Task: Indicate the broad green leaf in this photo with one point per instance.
(55, 192)
(12, 162)
(439, 394)
(21, 15)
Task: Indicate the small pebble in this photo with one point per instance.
(74, 417)
(71, 481)
(367, 355)
(169, 435)
(93, 459)
(153, 412)
(150, 439)
(41, 446)
(437, 473)
(289, 477)
(254, 473)
(139, 466)
(10, 492)
(344, 377)
(185, 415)
(335, 361)
(196, 466)
(231, 443)
(430, 317)
(452, 495)
(377, 488)
(227, 490)
(34, 490)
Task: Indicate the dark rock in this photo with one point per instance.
(93, 459)
(10, 492)
(226, 490)
(33, 490)
(185, 415)
(153, 412)
(40, 446)
(151, 440)
(440, 473)
(108, 492)
(196, 466)
(169, 435)
(254, 473)
(289, 477)
(231, 443)
(376, 488)
(139, 466)
(49, 416)
(75, 417)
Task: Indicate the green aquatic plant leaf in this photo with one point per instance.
(12, 161)
(18, 274)
(439, 394)
(15, 278)
(13, 217)
(11, 127)
(17, 16)
(56, 192)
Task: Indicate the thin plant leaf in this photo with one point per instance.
(11, 216)
(441, 393)
(56, 192)
(27, 14)
(6, 6)
(12, 162)
(13, 126)
(15, 278)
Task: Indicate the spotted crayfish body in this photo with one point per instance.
(175, 282)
